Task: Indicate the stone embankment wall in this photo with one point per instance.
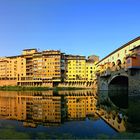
(134, 82)
(8, 82)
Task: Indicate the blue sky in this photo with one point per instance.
(83, 27)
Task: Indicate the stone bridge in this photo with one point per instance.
(120, 80)
(120, 70)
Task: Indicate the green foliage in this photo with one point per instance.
(126, 135)
(102, 136)
(22, 88)
(12, 134)
(134, 112)
(53, 135)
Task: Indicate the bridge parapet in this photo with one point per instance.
(112, 70)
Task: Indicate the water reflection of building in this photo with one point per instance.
(80, 106)
(34, 108)
(76, 107)
(80, 103)
(11, 106)
(45, 108)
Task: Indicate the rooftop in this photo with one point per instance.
(130, 42)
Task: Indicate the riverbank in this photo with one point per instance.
(22, 88)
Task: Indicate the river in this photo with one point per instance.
(73, 114)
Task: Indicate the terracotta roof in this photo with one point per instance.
(30, 49)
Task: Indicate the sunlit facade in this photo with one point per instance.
(75, 68)
(117, 59)
(47, 68)
(90, 71)
(33, 68)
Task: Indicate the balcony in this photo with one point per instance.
(133, 62)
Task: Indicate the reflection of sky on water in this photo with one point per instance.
(85, 128)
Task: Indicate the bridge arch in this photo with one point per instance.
(118, 90)
(118, 82)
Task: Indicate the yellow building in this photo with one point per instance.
(11, 68)
(47, 68)
(33, 68)
(44, 65)
(75, 68)
(3, 69)
(38, 67)
(90, 71)
(53, 65)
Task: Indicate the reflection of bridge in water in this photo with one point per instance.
(114, 119)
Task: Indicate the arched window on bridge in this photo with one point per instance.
(119, 62)
(113, 66)
(107, 65)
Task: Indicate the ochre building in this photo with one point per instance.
(48, 68)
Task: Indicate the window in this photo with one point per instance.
(128, 61)
(112, 57)
(118, 55)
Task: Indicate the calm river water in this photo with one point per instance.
(65, 115)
